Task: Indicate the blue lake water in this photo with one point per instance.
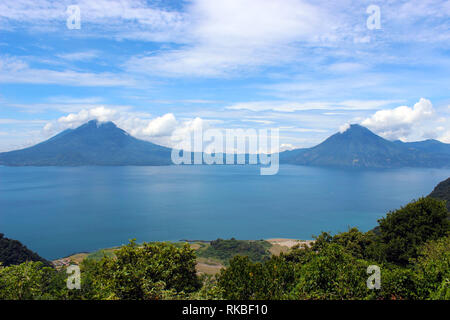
(58, 211)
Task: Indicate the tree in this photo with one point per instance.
(433, 269)
(241, 280)
(397, 283)
(403, 231)
(14, 252)
(332, 273)
(150, 271)
(360, 245)
(27, 281)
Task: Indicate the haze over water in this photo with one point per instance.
(57, 211)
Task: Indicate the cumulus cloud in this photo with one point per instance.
(161, 126)
(406, 123)
(74, 120)
(165, 130)
(100, 113)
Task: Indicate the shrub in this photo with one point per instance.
(150, 271)
(403, 231)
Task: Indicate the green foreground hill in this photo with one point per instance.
(13, 252)
(442, 192)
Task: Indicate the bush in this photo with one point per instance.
(241, 280)
(433, 269)
(397, 283)
(403, 231)
(224, 250)
(28, 281)
(360, 245)
(332, 273)
(150, 271)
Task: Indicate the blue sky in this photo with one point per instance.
(159, 69)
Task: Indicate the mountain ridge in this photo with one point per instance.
(358, 147)
(105, 144)
(93, 143)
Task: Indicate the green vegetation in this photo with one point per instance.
(13, 252)
(32, 281)
(98, 255)
(405, 230)
(150, 271)
(411, 247)
(224, 250)
(442, 192)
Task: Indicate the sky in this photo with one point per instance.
(160, 69)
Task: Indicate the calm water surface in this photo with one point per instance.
(57, 211)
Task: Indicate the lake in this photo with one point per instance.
(57, 211)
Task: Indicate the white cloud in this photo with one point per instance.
(445, 137)
(112, 18)
(218, 38)
(74, 100)
(165, 130)
(14, 70)
(344, 127)
(365, 39)
(347, 67)
(20, 133)
(79, 56)
(127, 120)
(161, 126)
(302, 130)
(263, 122)
(100, 113)
(404, 122)
(340, 87)
(291, 106)
(21, 121)
(286, 146)
(226, 36)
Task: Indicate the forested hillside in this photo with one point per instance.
(442, 192)
(14, 252)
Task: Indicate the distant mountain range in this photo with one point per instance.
(361, 148)
(104, 144)
(94, 143)
(429, 145)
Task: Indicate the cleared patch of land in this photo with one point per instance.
(211, 256)
(79, 257)
(289, 243)
(208, 268)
